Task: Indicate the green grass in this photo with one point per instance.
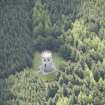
(58, 60)
(36, 61)
(48, 77)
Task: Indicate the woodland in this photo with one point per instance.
(73, 30)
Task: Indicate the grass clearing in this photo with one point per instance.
(37, 62)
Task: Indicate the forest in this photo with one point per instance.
(73, 30)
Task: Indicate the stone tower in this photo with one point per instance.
(47, 62)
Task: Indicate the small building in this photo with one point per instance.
(47, 62)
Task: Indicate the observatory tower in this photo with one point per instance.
(47, 62)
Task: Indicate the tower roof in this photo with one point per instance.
(46, 54)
